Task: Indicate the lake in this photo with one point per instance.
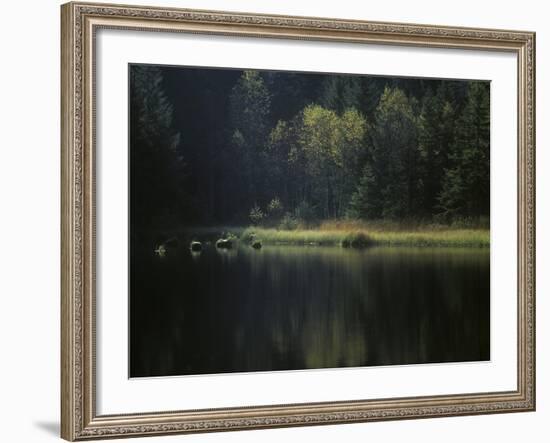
(289, 308)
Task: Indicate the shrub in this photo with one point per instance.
(275, 208)
(256, 215)
(248, 236)
(357, 240)
(288, 222)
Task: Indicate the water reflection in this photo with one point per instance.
(242, 310)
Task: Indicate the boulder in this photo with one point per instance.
(196, 246)
(161, 251)
(224, 243)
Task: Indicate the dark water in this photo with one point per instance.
(284, 307)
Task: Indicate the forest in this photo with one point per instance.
(290, 151)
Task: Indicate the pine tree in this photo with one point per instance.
(365, 202)
(393, 158)
(341, 93)
(436, 135)
(156, 163)
(249, 109)
(282, 142)
(466, 183)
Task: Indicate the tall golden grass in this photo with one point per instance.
(378, 233)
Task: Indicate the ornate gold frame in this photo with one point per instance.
(79, 22)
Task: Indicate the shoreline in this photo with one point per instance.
(472, 238)
(357, 237)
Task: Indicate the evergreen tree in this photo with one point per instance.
(156, 163)
(341, 93)
(250, 106)
(365, 146)
(350, 156)
(436, 135)
(465, 189)
(365, 201)
(281, 142)
(372, 89)
(291, 92)
(394, 185)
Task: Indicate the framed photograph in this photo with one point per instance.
(281, 221)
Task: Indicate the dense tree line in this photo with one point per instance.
(228, 146)
(156, 165)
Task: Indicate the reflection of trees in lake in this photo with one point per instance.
(307, 307)
(325, 307)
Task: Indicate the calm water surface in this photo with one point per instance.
(285, 307)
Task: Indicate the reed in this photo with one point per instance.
(345, 234)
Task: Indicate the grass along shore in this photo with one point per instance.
(344, 235)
